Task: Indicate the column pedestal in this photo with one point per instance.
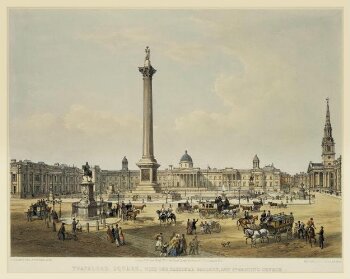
(148, 177)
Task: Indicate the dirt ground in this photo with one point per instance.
(34, 239)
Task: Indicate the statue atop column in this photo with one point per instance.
(147, 64)
(87, 171)
(148, 53)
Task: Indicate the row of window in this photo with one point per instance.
(50, 177)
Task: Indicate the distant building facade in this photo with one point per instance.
(326, 176)
(190, 178)
(300, 179)
(35, 179)
(29, 179)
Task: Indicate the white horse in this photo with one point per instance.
(255, 234)
(230, 212)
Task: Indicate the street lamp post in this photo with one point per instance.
(309, 196)
(60, 203)
(207, 180)
(239, 193)
(129, 182)
(119, 208)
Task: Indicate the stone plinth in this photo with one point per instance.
(87, 207)
(148, 177)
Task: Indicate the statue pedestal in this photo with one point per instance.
(87, 207)
(251, 188)
(148, 177)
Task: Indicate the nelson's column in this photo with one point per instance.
(148, 164)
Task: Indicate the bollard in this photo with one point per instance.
(97, 226)
(87, 227)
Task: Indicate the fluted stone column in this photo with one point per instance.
(148, 164)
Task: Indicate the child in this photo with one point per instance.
(164, 250)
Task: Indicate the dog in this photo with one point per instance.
(225, 244)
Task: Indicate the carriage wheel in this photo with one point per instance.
(178, 210)
(217, 228)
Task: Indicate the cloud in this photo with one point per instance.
(40, 121)
(86, 120)
(187, 53)
(114, 39)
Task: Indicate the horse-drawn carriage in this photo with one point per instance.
(175, 196)
(130, 214)
(256, 207)
(279, 224)
(208, 209)
(37, 212)
(184, 207)
(214, 226)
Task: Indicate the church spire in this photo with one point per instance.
(328, 118)
(328, 141)
(328, 126)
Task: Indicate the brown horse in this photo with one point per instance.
(131, 215)
(243, 222)
(140, 207)
(310, 235)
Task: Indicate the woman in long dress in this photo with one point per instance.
(110, 235)
(121, 236)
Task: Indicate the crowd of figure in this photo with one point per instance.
(76, 227)
(222, 204)
(116, 235)
(308, 231)
(121, 209)
(177, 245)
(265, 217)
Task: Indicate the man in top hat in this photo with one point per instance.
(74, 226)
(321, 237)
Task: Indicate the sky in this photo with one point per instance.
(229, 84)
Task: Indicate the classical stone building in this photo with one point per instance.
(28, 179)
(300, 179)
(187, 177)
(326, 176)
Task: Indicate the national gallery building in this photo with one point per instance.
(35, 179)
